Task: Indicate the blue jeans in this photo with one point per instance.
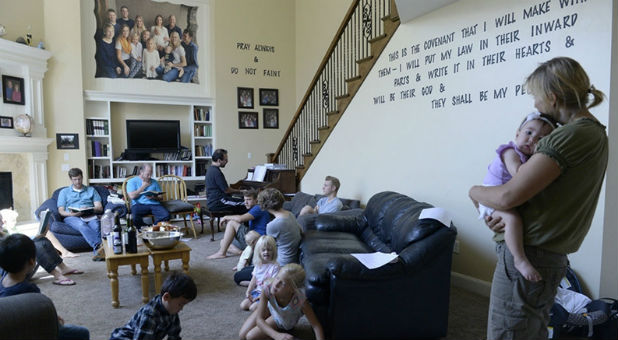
(91, 230)
(170, 75)
(108, 71)
(138, 211)
(72, 332)
(189, 73)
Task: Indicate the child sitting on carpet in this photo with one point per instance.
(247, 255)
(265, 267)
(283, 304)
(159, 317)
(17, 260)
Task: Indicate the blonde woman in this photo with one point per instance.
(176, 65)
(556, 193)
(139, 26)
(123, 51)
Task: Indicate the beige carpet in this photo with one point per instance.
(215, 313)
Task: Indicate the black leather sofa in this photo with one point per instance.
(402, 300)
(301, 199)
(69, 237)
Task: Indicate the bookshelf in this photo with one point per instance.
(104, 127)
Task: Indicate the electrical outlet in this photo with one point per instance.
(456, 247)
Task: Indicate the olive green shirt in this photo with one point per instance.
(559, 217)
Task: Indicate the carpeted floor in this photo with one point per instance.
(215, 313)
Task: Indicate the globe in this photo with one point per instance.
(23, 124)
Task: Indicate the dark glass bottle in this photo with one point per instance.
(131, 236)
(117, 232)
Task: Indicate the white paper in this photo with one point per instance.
(249, 176)
(437, 214)
(375, 260)
(259, 173)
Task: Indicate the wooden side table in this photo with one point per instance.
(113, 261)
(180, 251)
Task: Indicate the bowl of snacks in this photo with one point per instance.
(159, 240)
(161, 226)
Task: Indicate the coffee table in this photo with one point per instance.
(180, 251)
(113, 261)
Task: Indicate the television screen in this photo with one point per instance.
(153, 135)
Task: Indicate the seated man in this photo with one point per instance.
(218, 193)
(76, 197)
(327, 204)
(237, 227)
(139, 189)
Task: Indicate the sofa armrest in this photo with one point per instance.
(422, 253)
(349, 268)
(349, 221)
(20, 312)
(52, 205)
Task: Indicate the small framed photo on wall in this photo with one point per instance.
(245, 98)
(269, 97)
(247, 120)
(271, 118)
(67, 141)
(13, 90)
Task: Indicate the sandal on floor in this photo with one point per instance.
(65, 282)
(73, 272)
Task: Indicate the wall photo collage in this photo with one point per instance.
(250, 119)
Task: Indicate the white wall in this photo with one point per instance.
(436, 154)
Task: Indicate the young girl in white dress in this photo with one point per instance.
(265, 267)
(151, 59)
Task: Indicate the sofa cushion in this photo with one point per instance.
(174, 206)
(299, 200)
(317, 242)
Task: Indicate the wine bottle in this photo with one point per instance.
(117, 231)
(131, 236)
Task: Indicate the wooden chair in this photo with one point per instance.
(214, 215)
(175, 198)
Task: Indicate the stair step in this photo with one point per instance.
(368, 58)
(358, 77)
(315, 141)
(300, 167)
(377, 38)
(323, 127)
(330, 113)
(307, 154)
(339, 97)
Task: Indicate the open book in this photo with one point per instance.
(152, 193)
(83, 210)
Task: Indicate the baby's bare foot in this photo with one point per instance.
(527, 270)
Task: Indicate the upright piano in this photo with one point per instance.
(282, 179)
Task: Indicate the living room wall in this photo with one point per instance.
(433, 144)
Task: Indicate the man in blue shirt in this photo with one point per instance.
(237, 226)
(190, 55)
(78, 204)
(142, 202)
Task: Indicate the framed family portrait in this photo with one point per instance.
(269, 97)
(247, 120)
(271, 118)
(6, 122)
(67, 141)
(245, 98)
(13, 90)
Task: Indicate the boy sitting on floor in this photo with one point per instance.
(17, 260)
(159, 317)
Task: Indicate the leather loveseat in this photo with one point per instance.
(69, 237)
(28, 316)
(402, 300)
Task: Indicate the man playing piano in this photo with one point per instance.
(218, 193)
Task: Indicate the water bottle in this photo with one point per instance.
(107, 222)
(117, 231)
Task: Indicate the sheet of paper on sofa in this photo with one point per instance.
(375, 260)
(439, 214)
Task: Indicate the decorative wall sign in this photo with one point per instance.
(67, 141)
(245, 98)
(13, 90)
(6, 122)
(271, 118)
(248, 120)
(269, 97)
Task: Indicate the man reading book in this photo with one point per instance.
(78, 203)
(143, 204)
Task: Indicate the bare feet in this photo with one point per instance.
(217, 255)
(69, 254)
(527, 270)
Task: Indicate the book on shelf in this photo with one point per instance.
(201, 113)
(203, 150)
(203, 131)
(97, 127)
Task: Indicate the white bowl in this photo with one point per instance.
(158, 240)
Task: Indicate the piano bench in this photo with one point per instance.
(212, 216)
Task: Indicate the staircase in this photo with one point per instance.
(364, 33)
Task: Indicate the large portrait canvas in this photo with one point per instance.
(144, 39)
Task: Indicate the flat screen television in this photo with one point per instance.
(153, 136)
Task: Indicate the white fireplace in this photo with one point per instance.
(25, 157)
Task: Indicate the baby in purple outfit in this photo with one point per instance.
(510, 157)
